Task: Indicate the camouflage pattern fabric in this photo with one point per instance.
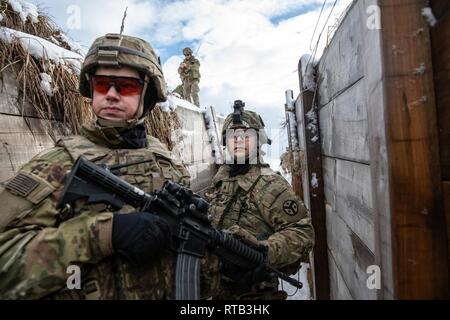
(261, 207)
(38, 243)
(190, 91)
(189, 71)
(179, 90)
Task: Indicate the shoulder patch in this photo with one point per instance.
(22, 185)
(290, 207)
(29, 186)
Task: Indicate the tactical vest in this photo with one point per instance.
(111, 278)
(233, 202)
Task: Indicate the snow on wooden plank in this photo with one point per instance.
(350, 254)
(342, 63)
(194, 147)
(343, 125)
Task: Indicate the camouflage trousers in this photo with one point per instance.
(191, 90)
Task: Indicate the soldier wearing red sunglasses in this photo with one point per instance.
(119, 255)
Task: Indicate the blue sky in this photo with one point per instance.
(249, 48)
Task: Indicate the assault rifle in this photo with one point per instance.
(185, 212)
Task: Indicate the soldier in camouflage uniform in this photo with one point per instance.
(253, 202)
(121, 255)
(189, 71)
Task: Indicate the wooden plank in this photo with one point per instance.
(376, 118)
(440, 44)
(348, 193)
(351, 256)
(380, 190)
(302, 146)
(343, 125)
(338, 287)
(354, 199)
(342, 63)
(315, 191)
(446, 194)
(10, 98)
(419, 245)
(18, 144)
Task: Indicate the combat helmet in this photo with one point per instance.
(187, 51)
(241, 118)
(115, 51)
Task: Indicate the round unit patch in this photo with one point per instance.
(290, 207)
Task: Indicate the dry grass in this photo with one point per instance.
(66, 105)
(162, 124)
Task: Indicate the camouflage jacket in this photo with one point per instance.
(261, 207)
(37, 244)
(191, 71)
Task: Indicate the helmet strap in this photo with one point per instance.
(140, 110)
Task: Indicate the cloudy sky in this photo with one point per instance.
(248, 49)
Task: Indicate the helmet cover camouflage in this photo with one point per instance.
(187, 51)
(116, 51)
(250, 120)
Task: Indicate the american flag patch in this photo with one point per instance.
(22, 185)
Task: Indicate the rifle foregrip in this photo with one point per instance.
(233, 250)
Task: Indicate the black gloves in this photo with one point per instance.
(140, 237)
(246, 278)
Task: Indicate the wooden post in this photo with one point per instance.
(294, 145)
(440, 46)
(314, 195)
(419, 240)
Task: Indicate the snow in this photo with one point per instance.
(308, 72)
(165, 106)
(41, 48)
(213, 136)
(177, 102)
(421, 70)
(25, 10)
(293, 129)
(314, 181)
(312, 125)
(46, 84)
(74, 46)
(427, 12)
(294, 293)
(1, 17)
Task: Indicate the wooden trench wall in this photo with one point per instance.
(382, 157)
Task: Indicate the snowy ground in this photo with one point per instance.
(294, 293)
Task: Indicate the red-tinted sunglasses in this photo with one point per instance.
(125, 86)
